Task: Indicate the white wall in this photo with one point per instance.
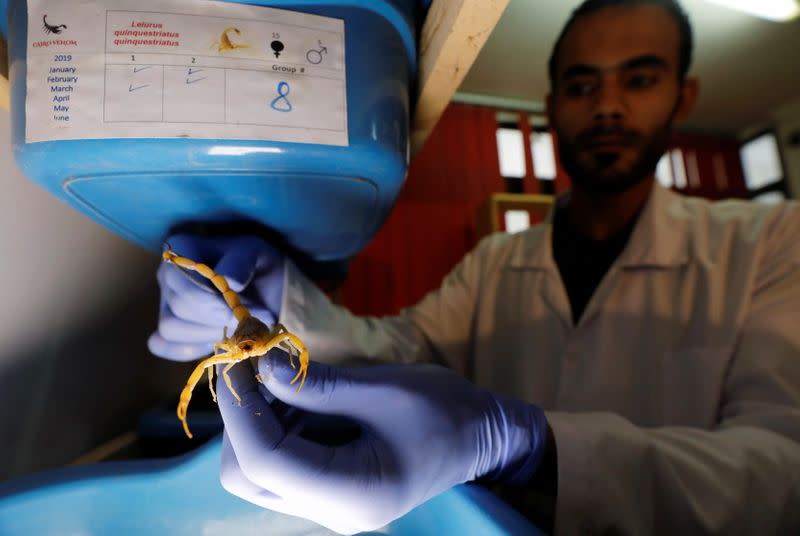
(78, 305)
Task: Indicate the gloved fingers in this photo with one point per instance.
(159, 346)
(235, 257)
(250, 422)
(259, 312)
(235, 482)
(196, 247)
(171, 276)
(198, 306)
(178, 339)
(270, 457)
(177, 330)
(327, 389)
(269, 287)
(242, 256)
(200, 303)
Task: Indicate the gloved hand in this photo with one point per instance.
(193, 313)
(424, 429)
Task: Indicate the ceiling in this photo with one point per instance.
(747, 66)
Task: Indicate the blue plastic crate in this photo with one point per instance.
(326, 201)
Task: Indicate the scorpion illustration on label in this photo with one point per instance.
(51, 28)
(230, 39)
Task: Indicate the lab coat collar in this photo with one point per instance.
(659, 239)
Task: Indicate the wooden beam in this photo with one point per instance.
(453, 34)
(5, 87)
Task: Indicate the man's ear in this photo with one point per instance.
(689, 91)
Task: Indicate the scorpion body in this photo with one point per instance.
(251, 339)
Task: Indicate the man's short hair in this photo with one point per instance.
(671, 6)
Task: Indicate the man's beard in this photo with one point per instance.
(595, 172)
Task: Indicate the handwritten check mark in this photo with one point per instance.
(195, 80)
(194, 71)
(139, 69)
(131, 89)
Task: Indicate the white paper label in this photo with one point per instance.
(183, 69)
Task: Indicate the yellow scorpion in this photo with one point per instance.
(251, 339)
(225, 43)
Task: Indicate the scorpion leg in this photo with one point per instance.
(293, 341)
(211, 383)
(217, 347)
(285, 344)
(197, 373)
(228, 381)
(289, 349)
(279, 328)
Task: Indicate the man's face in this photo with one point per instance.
(616, 95)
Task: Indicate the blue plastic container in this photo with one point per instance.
(325, 201)
(183, 497)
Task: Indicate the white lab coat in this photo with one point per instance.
(675, 402)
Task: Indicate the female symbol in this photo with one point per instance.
(277, 47)
(281, 103)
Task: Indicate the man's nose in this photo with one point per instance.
(609, 101)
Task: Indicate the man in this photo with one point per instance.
(637, 354)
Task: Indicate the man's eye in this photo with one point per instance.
(641, 81)
(579, 89)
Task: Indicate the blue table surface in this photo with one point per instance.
(182, 496)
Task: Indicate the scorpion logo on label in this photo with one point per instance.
(51, 28)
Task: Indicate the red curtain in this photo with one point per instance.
(433, 223)
(716, 162)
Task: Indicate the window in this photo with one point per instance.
(516, 220)
(511, 150)
(761, 161)
(664, 171)
(544, 156)
(763, 168)
(675, 171)
(678, 169)
(518, 160)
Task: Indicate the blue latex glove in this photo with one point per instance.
(193, 313)
(423, 430)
